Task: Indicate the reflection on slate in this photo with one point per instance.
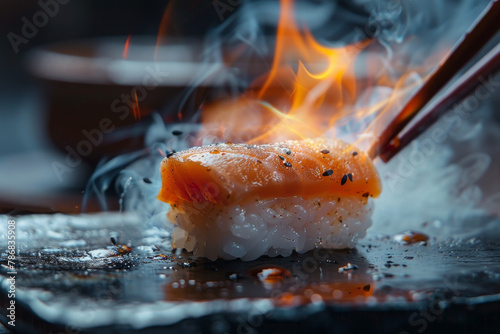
(382, 285)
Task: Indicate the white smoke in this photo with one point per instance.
(441, 193)
(447, 187)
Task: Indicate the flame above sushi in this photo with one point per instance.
(235, 173)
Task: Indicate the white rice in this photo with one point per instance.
(270, 227)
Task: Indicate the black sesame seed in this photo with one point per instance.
(287, 164)
(287, 151)
(354, 153)
(328, 172)
(344, 180)
(169, 154)
(147, 180)
(325, 151)
(349, 176)
(282, 158)
(177, 133)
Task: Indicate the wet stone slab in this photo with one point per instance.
(383, 283)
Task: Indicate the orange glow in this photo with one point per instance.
(135, 108)
(164, 29)
(334, 293)
(161, 153)
(126, 47)
(136, 111)
(312, 90)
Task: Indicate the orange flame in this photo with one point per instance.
(164, 28)
(311, 90)
(135, 108)
(136, 111)
(126, 47)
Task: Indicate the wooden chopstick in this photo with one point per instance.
(484, 28)
(476, 76)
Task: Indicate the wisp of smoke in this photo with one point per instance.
(439, 188)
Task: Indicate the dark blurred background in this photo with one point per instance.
(24, 142)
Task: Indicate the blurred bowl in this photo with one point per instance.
(91, 89)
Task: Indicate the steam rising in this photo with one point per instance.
(440, 193)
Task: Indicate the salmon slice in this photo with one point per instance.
(225, 174)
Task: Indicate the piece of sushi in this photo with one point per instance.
(244, 201)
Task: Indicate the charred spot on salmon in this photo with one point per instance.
(366, 194)
(354, 153)
(325, 151)
(287, 164)
(282, 158)
(177, 133)
(344, 180)
(147, 180)
(349, 176)
(328, 172)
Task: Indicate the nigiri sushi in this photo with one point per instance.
(244, 201)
